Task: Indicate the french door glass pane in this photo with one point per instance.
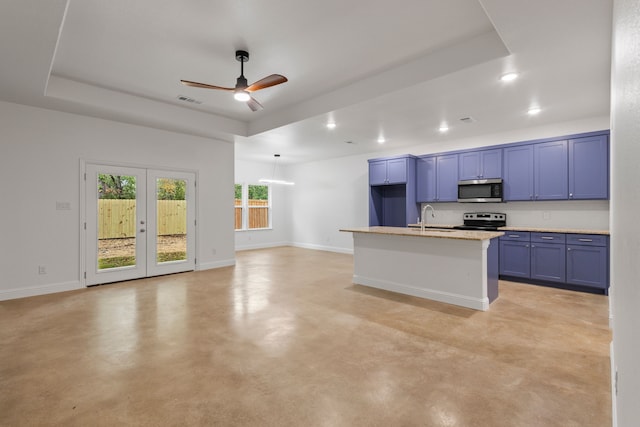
(116, 221)
(171, 220)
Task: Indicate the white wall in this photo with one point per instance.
(333, 194)
(329, 195)
(40, 152)
(625, 203)
(247, 172)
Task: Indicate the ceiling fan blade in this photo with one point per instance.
(204, 85)
(272, 80)
(254, 104)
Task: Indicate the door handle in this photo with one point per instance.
(142, 230)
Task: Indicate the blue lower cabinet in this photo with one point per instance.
(588, 260)
(515, 258)
(580, 260)
(548, 262)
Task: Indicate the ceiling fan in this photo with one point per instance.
(242, 91)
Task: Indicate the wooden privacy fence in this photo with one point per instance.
(117, 218)
(258, 216)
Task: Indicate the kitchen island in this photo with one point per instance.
(452, 266)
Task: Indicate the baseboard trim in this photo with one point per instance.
(446, 297)
(261, 246)
(33, 291)
(322, 248)
(216, 264)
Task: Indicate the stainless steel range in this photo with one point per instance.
(488, 221)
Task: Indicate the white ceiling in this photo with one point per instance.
(374, 67)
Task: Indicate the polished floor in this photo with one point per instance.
(285, 339)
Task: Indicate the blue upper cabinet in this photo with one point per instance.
(589, 167)
(426, 179)
(388, 172)
(397, 171)
(437, 178)
(550, 173)
(536, 171)
(378, 172)
(447, 178)
(480, 164)
(518, 173)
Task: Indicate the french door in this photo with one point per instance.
(139, 223)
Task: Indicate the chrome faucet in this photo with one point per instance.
(423, 221)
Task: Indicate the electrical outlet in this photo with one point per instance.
(42, 269)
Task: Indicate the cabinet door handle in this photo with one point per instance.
(571, 195)
(585, 240)
(514, 236)
(568, 249)
(533, 246)
(547, 238)
(526, 246)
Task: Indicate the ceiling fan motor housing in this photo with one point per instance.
(242, 55)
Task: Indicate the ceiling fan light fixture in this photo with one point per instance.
(243, 89)
(241, 95)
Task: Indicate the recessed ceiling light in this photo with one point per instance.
(443, 128)
(533, 111)
(381, 140)
(509, 77)
(331, 125)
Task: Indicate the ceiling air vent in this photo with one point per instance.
(467, 120)
(187, 99)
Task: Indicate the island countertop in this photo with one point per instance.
(416, 232)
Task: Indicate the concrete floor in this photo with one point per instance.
(285, 339)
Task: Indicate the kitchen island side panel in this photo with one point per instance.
(453, 271)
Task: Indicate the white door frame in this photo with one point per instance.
(192, 241)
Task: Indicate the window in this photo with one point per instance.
(252, 206)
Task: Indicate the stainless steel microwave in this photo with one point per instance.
(480, 190)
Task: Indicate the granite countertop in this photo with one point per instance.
(533, 229)
(556, 230)
(416, 232)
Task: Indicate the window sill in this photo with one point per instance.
(255, 229)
